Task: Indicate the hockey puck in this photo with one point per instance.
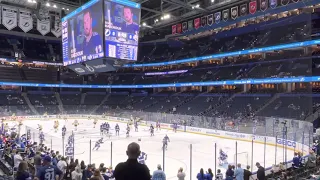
(139, 139)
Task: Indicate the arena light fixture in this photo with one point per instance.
(54, 6)
(144, 24)
(48, 4)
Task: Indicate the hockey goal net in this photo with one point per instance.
(242, 158)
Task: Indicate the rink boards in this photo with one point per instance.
(271, 141)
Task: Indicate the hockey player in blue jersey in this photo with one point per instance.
(223, 157)
(117, 128)
(128, 131)
(136, 126)
(175, 127)
(151, 130)
(64, 130)
(102, 128)
(96, 146)
(41, 137)
(142, 158)
(165, 142)
(107, 126)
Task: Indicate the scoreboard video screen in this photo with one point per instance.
(122, 19)
(101, 29)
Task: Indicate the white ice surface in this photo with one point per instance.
(177, 155)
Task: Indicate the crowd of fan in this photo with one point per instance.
(41, 163)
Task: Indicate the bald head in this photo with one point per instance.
(133, 150)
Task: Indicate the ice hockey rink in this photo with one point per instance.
(179, 154)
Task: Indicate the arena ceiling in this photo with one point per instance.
(151, 10)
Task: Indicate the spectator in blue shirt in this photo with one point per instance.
(239, 173)
(158, 174)
(201, 175)
(229, 173)
(48, 171)
(22, 173)
(296, 161)
(209, 174)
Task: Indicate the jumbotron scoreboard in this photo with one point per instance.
(101, 36)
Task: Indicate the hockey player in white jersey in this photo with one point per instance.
(223, 158)
(96, 146)
(64, 130)
(142, 158)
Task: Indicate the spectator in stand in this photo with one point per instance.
(101, 167)
(22, 173)
(261, 172)
(219, 175)
(76, 174)
(97, 174)
(87, 173)
(17, 159)
(104, 173)
(62, 165)
(209, 174)
(48, 170)
(296, 161)
(82, 166)
(229, 173)
(311, 162)
(110, 172)
(158, 174)
(247, 173)
(131, 168)
(181, 175)
(239, 173)
(37, 160)
(54, 159)
(201, 175)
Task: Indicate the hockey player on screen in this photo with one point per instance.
(64, 130)
(117, 128)
(158, 126)
(128, 131)
(165, 142)
(142, 158)
(136, 126)
(75, 123)
(151, 130)
(223, 158)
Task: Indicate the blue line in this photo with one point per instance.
(209, 83)
(230, 54)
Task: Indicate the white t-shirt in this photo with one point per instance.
(16, 160)
(62, 165)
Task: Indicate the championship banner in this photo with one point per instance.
(184, 27)
(225, 15)
(203, 21)
(196, 23)
(56, 30)
(174, 29)
(179, 28)
(263, 5)
(210, 19)
(43, 26)
(273, 3)
(234, 12)
(217, 17)
(285, 2)
(253, 7)
(243, 9)
(190, 25)
(9, 17)
(25, 20)
(295, 1)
